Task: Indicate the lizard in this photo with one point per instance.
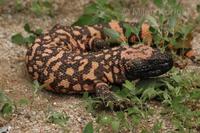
(77, 59)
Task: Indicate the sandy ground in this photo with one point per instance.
(15, 82)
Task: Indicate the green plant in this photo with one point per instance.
(168, 27)
(58, 118)
(155, 129)
(88, 128)
(6, 105)
(100, 11)
(2, 2)
(7, 109)
(39, 7)
(23, 102)
(111, 33)
(37, 87)
(19, 39)
(18, 5)
(178, 92)
(109, 122)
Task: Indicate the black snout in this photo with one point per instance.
(158, 64)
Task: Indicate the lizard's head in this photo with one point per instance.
(143, 61)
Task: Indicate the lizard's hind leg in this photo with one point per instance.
(99, 44)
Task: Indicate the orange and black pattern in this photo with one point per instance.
(78, 59)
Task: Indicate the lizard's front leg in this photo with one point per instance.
(103, 92)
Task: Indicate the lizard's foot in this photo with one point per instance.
(110, 99)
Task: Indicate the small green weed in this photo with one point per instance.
(100, 11)
(37, 7)
(111, 33)
(2, 2)
(23, 102)
(40, 8)
(109, 122)
(178, 92)
(18, 5)
(58, 118)
(37, 87)
(88, 128)
(19, 39)
(6, 105)
(168, 27)
(155, 129)
(7, 109)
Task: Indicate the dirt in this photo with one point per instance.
(15, 82)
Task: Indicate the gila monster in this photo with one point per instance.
(74, 59)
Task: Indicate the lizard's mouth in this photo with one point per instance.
(158, 64)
